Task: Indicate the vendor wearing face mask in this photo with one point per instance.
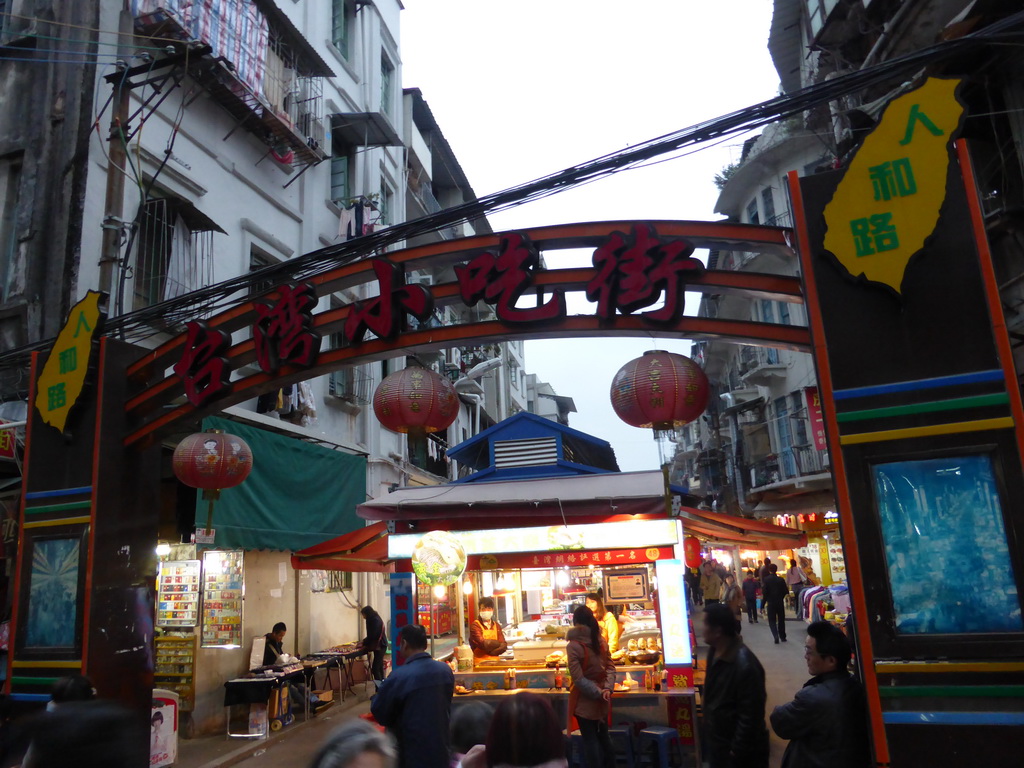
(485, 636)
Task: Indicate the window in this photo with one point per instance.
(783, 312)
(258, 260)
(768, 205)
(799, 418)
(787, 463)
(385, 204)
(752, 217)
(338, 581)
(341, 188)
(10, 178)
(387, 76)
(342, 17)
(173, 251)
(767, 313)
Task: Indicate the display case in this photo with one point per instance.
(174, 670)
(178, 593)
(438, 624)
(222, 599)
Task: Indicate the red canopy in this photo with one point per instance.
(361, 551)
(741, 531)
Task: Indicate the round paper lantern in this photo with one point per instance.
(212, 461)
(691, 551)
(660, 390)
(438, 558)
(416, 399)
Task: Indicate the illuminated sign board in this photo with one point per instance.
(553, 538)
(675, 627)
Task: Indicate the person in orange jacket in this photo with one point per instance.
(485, 635)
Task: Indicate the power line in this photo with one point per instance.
(139, 324)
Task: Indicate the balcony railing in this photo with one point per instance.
(790, 464)
(755, 358)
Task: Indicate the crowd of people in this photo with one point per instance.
(825, 723)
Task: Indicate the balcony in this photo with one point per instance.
(790, 467)
(760, 363)
(272, 89)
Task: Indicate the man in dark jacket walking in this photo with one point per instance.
(775, 591)
(734, 696)
(826, 722)
(414, 703)
(375, 643)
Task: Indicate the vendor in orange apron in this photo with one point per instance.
(485, 635)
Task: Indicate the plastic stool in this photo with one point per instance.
(663, 741)
(622, 741)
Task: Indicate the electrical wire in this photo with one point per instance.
(138, 324)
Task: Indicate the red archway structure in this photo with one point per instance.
(199, 362)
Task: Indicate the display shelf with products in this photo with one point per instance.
(178, 593)
(222, 599)
(174, 670)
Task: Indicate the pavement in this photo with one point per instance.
(293, 745)
(296, 745)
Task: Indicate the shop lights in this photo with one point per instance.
(163, 549)
(467, 587)
(440, 591)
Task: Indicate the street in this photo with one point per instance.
(785, 673)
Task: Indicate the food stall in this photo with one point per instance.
(539, 575)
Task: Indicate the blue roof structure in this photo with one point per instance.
(528, 446)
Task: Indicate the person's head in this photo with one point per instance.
(773, 569)
(730, 579)
(596, 604)
(767, 561)
(524, 732)
(72, 688)
(792, 563)
(367, 611)
(827, 649)
(584, 617)
(279, 631)
(469, 726)
(412, 639)
(157, 720)
(719, 625)
(356, 744)
(485, 608)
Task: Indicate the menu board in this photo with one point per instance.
(178, 594)
(222, 599)
(836, 561)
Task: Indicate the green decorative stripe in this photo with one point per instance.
(58, 507)
(951, 691)
(933, 406)
(21, 680)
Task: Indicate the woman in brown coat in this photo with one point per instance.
(593, 678)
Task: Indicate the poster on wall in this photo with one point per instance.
(836, 561)
(813, 554)
(222, 599)
(178, 594)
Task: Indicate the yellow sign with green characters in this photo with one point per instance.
(63, 376)
(888, 202)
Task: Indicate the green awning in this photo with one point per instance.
(297, 495)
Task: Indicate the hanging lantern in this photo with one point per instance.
(416, 400)
(660, 390)
(691, 551)
(212, 461)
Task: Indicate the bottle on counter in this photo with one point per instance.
(558, 677)
(508, 679)
(664, 678)
(513, 678)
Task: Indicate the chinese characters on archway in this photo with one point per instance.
(634, 271)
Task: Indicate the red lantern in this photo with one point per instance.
(416, 400)
(660, 390)
(691, 551)
(212, 461)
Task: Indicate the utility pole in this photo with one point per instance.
(110, 254)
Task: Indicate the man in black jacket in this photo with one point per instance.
(775, 591)
(826, 723)
(375, 643)
(734, 696)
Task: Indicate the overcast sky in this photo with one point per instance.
(523, 89)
